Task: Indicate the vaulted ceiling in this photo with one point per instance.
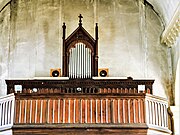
(165, 8)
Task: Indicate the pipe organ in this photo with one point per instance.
(80, 61)
(80, 53)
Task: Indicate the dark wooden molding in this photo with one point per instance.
(98, 86)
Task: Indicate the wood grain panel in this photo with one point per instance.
(17, 112)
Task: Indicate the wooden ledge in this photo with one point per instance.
(79, 126)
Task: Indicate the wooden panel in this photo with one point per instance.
(17, 112)
(70, 110)
(93, 109)
(131, 111)
(22, 111)
(115, 111)
(82, 110)
(77, 115)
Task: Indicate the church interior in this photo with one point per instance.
(77, 67)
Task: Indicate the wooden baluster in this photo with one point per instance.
(2, 122)
(25, 109)
(86, 111)
(118, 111)
(96, 111)
(101, 110)
(147, 112)
(20, 111)
(6, 112)
(107, 121)
(162, 117)
(159, 114)
(69, 111)
(35, 117)
(12, 111)
(123, 110)
(83, 110)
(41, 110)
(156, 114)
(30, 115)
(48, 110)
(139, 110)
(131, 111)
(74, 120)
(134, 111)
(126, 90)
(91, 111)
(128, 111)
(166, 116)
(64, 107)
(111, 111)
(142, 111)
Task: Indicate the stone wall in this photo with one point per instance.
(129, 38)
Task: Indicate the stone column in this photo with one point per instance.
(176, 109)
(170, 37)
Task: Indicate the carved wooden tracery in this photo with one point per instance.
(84, 47)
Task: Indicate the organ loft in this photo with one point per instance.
(84, 100)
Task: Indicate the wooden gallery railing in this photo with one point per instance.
(134, 108)
(92, 102)
(6, 112)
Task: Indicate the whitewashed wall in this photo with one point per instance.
(4, 44)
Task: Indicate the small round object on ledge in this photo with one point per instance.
(103, 73)
(55, 73)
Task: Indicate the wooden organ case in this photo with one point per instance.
(79, 103)
(80, 53)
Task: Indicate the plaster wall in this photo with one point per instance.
(4, 47)
(129, 38)
(176, 69)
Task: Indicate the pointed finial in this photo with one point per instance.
(80, 20)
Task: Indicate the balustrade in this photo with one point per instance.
(6, 111)
(86, 104)
(81, 109)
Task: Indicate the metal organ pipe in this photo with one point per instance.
(80, 61)
(82, 58)
(70, 62)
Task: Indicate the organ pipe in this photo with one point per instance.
(80, 61)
